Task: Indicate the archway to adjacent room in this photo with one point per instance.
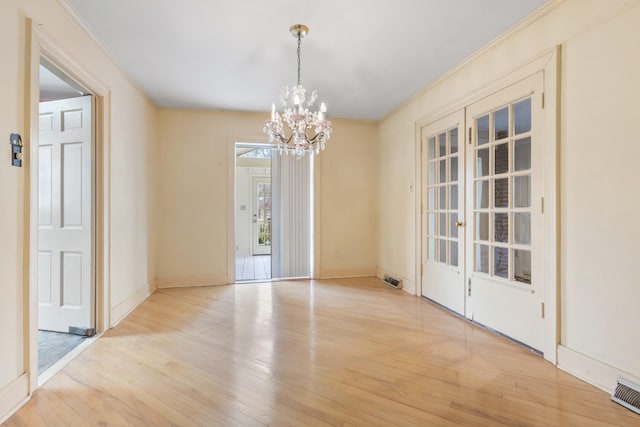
(253, 213)
(273, 215)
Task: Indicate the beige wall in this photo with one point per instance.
(348, 215)
(133, 162)
(599, 195)
(599, 149)
(131, 192)
(11, 195)
(196, 148)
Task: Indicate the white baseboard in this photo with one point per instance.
(121, 310)
(346, 274)
(409, 286)
(13, 396)
(593, 371)
(191, 281)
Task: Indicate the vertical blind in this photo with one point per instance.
(291, 203)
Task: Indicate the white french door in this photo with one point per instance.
(261, 207)
(65, 222)
(482, 219)
(505, 230)
(443, 238)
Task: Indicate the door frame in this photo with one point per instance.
(41, 45)
(315, 244)
(548, 63)
(232, 143)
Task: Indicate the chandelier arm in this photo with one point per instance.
(282, 139)
(315, 138)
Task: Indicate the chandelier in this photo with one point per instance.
(298, 129)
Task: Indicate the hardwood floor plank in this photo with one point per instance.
(322, 353)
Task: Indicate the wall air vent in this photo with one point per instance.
(394, 283)
(627, 394)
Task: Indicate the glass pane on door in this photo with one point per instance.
(443, 177)
(502, 192)
(522, 266)
(263, 213)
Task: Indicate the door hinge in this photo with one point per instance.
(542, 310)
(542, 100)
(421, 270)
(470, 136)
(469, 286)
(542, 205)
(421, 208)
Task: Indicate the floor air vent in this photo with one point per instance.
(627, 394)
(394, 283)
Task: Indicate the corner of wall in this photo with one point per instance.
(122, 310)
(408, 285)
(12, 397)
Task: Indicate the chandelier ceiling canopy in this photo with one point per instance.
(298, 128)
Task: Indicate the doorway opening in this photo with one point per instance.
(273, 214)
(253, 212)
(65, 224)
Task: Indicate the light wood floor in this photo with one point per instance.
(343, 352)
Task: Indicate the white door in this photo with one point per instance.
(504, 212)
(65, 225)
(443, 212)
(261, 205)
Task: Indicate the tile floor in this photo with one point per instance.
(257, 267)
(53, 346)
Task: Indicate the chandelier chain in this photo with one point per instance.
(299, 74)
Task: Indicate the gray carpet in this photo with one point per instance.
(52, 346)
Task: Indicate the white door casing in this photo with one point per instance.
(443, 219)
(65, 215)
(505, 232)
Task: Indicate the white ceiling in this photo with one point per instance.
(365, 57)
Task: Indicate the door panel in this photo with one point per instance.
(442, 185)
(45, 185)
(504, 178)
(72, 184)
(65, 216)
